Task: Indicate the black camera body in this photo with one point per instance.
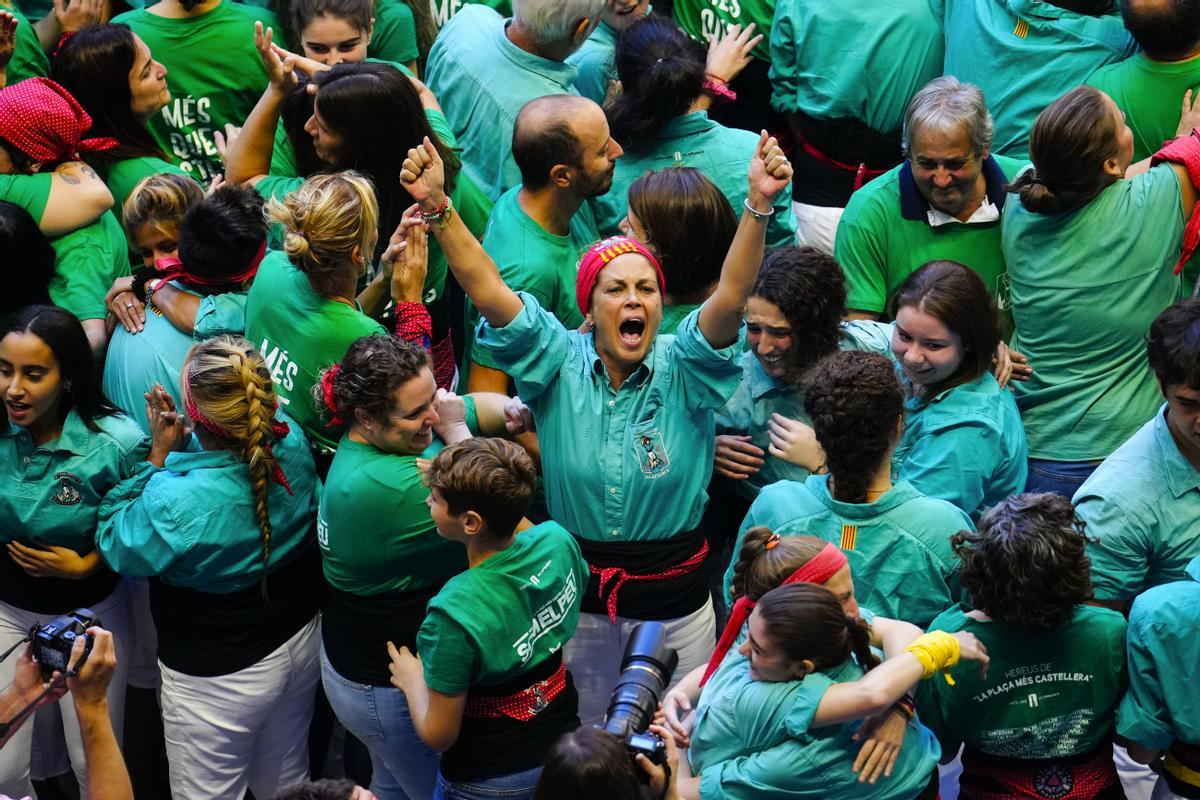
(646, 669)
(53, 642)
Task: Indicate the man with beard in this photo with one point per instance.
(942, 203)
(539, 228)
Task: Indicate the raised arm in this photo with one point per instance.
(423, 177)
(721, 314)
(248, 157)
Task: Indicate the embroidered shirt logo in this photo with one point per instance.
(67, 493)
(651, 453)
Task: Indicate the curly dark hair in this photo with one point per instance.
(810, 290)
(854, 401)
(806, 622)
(759, 570)
(373, 368)
(1026, 566)
(1174, 345)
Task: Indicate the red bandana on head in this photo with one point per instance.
(43, 121)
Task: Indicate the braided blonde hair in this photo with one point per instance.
(230, 384)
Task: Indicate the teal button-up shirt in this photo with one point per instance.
(192, 523)
(482, 81)
(630, 464)
(1142, 505)
(595, 63)
(898, 546)
(1162, 703)
(52, 493)
(693, 140)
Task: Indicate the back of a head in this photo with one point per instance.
(1167, 30)
(492, 477)
(806, 622)
(1173, 346)
(368, 376)
(662, 73)
(324, 220)
(550, 23)
(809, 288)
(1071, 140)
(222, 234)
(947, 105)
(1026, 565)
(855, 402)
(26, 260)
(760, 568)
(543, 137)
(956, 296)
(588, 764)
(689, 224)
(161, 201)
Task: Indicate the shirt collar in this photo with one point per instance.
(1182, 477)
(914, 206)
(557, 71)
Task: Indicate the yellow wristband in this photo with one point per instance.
(937, 652)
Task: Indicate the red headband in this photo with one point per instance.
(43, 121)
(172, 268)
(598, 256)
(327, 393)
(280, 429)
(817, 569)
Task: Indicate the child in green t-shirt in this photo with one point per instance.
(490, 690)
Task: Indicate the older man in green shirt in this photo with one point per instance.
(484, 69)
(943, 202)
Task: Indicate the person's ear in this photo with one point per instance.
(561, 175)
(471, 522)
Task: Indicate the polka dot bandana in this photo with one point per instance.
(43, 121)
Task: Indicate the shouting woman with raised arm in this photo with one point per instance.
(621, 415)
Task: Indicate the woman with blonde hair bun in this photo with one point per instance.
(231, 584)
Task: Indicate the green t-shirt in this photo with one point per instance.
(503, 617)
(214, 73)
(395, 34)
(884, 236)
(122, 176)
(706, 20)
(1085, 286)
(374, 528)
(533, 260)
(29, 59)
(860, 61)
(443, 10)
(300, 333)
(1048, 694)
(594, 59)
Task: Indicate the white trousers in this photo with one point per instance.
(594, 653)
(248, 729)
(15, 623)
(816, 226)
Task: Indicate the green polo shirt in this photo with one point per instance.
(693, 140)
(1163, 701)
(1024, 55)
(136, 361)
(758, 396)
(884, 236)
(535, 261)
(214, 74)
(503, 617)
(966, 445)
(860, 61)
(374, 527)
(482, 81)
(626, 465)
(53, 493)
(443, 10)
(898, 546)
(395, 34)
(1048, 694)
(122, 176)
(192, 522)
(752, 739)
(1141, 505)
(29, 59)
(300, 333)
(1085, 287)
(706, 20)
(594, 60)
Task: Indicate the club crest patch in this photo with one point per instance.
(67, 492)
(651, 453)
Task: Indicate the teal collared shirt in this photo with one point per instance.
(52, 493)
(192, 523)
(967, 446)
(630, 464)
(482, 81)
(594, 60)
(1162, 703)
(898, 546)
(1142, 506)
(693, 140)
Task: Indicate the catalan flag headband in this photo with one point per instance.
(817, 569)
(597, 258)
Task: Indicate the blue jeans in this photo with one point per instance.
(404, 768)
(1059, 477)
(515, 786)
